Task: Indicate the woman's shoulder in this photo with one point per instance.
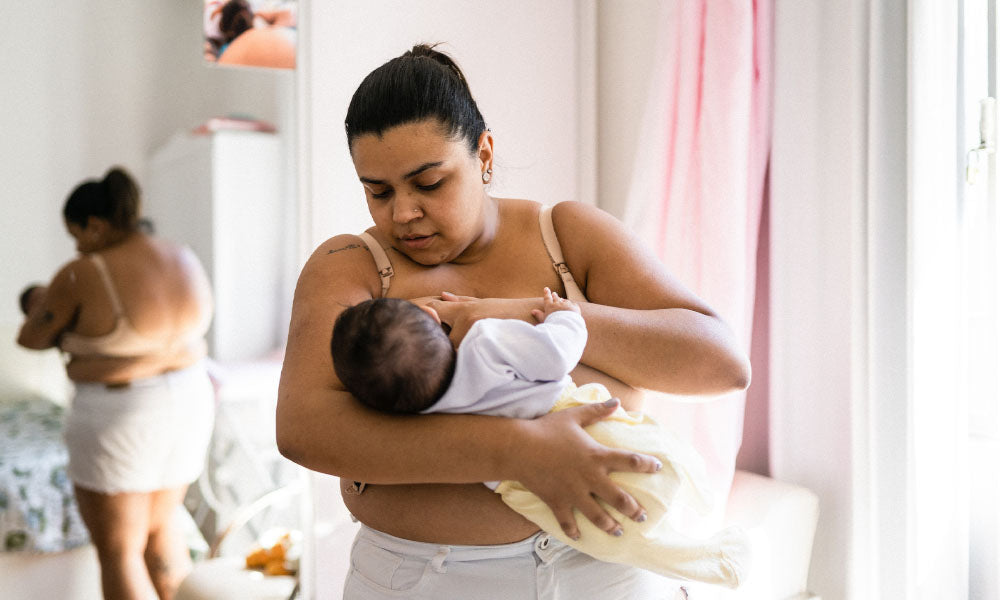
(564, 212)
(343, 241)
(570, 218)
(77, 280)
(572, 214)
(79, 269)
(344, 259)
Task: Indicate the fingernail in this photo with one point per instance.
(575, 536)
(641, 519)
(611, 402)
(618, 532)
(659, 465)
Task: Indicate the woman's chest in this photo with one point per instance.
(515, 274)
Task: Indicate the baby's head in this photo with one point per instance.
(392, 355)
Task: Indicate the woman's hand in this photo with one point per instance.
(462, 312)
(567, 469)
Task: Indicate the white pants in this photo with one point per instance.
(540, 567)
(149, 435)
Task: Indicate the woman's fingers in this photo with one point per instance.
(594, 512)
(620, 499)
(590, 509)
(589, 414)
(575, 472)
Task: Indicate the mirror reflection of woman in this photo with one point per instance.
(430, 529)
(131, 313)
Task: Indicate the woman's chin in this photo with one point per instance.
(428, 255)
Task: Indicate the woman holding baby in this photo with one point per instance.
(424, 155)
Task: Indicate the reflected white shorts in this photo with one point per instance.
(150, 435)
(540, 567)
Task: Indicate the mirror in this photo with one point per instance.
(123, 83)
(250, 33)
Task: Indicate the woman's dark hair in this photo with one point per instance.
(236, 17)
(391, 355)
(115, 199)
(422, 83)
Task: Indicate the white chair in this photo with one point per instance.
(780, 518)
(225, 576)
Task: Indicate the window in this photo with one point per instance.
(980, 303)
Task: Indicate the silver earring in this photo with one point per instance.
(487, 175)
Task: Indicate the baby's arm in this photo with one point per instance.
(545, 351)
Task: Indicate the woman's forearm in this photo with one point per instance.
(341, 437)
(675, 350)
(552, 455)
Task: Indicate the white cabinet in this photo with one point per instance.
(222, 194)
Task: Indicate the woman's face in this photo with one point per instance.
(425, 191)
(86, 237)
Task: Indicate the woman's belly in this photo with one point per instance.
(466, 514)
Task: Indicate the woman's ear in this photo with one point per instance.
(485, 151)
(96, 227)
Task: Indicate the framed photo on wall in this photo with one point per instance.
(250, 33)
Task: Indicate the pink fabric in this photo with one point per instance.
(710, 110)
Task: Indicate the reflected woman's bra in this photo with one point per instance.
(121, 341)
(573, 291)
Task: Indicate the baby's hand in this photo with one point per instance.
(551, 302)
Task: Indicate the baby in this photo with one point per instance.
(395, 356)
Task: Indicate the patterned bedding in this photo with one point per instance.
(37, 509)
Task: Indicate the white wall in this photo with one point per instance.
(520, 59)
(627, 42)
(87, 85)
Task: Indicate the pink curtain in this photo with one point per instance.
(696, 194)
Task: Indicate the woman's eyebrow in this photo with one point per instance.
(412, 173)
(423, 168)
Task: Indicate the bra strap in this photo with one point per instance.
(573, 291)
(385, 272)
(102, 268)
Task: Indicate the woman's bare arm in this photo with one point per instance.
(645, 328)
(54, 312)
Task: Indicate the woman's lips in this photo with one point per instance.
(418, 242)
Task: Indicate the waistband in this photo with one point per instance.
(195, 370)
(458, 553)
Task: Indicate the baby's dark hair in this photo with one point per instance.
(391, 355)
(421, 84)
(236, 17)
(25, 295)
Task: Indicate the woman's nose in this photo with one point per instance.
(405, 209)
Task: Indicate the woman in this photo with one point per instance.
(131, 312)
(424, 156)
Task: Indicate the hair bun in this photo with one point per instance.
(428, 51)
(124, 194)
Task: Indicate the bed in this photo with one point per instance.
(40, 528)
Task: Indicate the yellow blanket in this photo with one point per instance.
(653, 544)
